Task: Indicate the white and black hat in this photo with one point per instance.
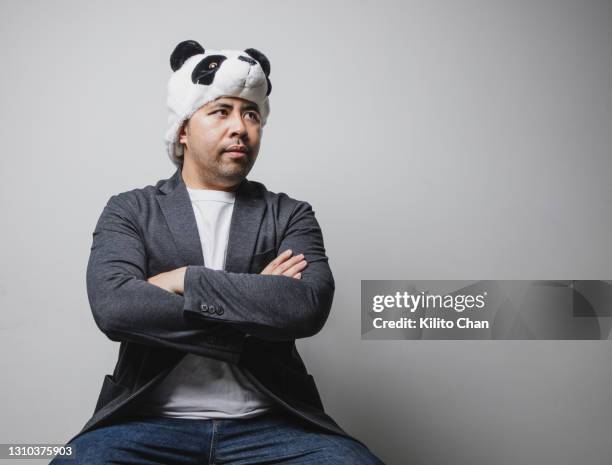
(201, 76)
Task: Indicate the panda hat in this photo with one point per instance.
(201, 76)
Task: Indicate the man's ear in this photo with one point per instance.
(183, 132)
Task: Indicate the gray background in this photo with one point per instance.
(435, 140)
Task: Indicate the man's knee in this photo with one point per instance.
(95, 447)
(332, 449)
(85, 451)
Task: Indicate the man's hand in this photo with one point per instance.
(174, 281)
(171, 281)
(283, 265)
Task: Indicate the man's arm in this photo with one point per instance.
(285, 264)
(127, 307)
(270, 307)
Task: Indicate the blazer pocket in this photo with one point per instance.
(310, 392)
(110, 392)
(260, 260)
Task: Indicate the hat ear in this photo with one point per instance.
(261, 58)
(183, 51)
(264, 63)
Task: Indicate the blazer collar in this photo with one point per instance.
(249, 208)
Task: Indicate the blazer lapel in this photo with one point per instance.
(176, 207)
(249, 208)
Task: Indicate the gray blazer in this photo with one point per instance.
(236, 315)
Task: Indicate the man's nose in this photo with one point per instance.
(237, 126)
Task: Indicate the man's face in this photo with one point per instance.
(222, 140)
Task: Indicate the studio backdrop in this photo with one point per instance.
(442, 140)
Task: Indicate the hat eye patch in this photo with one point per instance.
(204, 72)
(250, 61)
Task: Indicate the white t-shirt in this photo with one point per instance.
(202, 387)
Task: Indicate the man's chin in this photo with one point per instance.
(236, 174)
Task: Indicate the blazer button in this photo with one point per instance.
(204, 308)
(219, 311)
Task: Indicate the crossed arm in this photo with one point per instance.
(289, 300)
(285, 264)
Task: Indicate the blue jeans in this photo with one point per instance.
(272, 438)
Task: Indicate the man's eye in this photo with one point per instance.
(253, 115)
(220, 111)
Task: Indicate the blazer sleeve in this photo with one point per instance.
(267, 306)
(128, 308)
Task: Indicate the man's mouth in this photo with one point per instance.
(237, 151)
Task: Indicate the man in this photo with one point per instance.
(207, 279)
